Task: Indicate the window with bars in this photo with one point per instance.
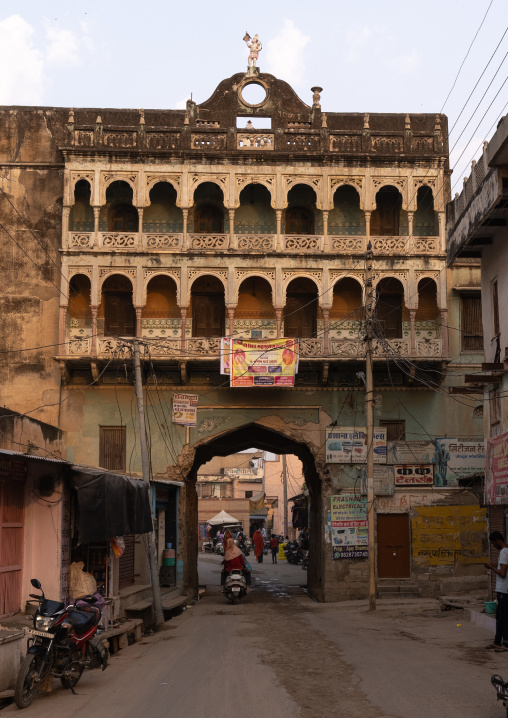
(471, 323)
(112, 445)
(395, 429)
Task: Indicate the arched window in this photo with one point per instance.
(389, 307)
(208, 220)
(346, 217)
(163, 215)
(425, 222)
(255, 214)
(161, 299)
(347, 300)
(81, 218)
(208, 307)
(119, 214)
(301, 212)
(386, 219)
(123, 218)
(117, 307)
(427, 300)
(300, 312)
(78, 310)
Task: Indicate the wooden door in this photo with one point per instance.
(299, 221)
(389, 314)
(112, 447)
(119, 314)
(300, 315)
(11, 544)
(393, 546)
(208, 312)
(208, 220)
(126, 564)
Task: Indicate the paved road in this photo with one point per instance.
(280, 654)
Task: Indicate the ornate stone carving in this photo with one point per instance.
(80, 270)
(204, 346)
(290, 180)
(80, 239)
(336, 182)
(426, 245)
(348, 245)
(117, 239)
(78, 346)
(162, 140)
(263, 242)
(399, 182)
(169, 347)
(83, 175)
(211, 424)
(254, 141)
(197, 178)
(347, 347)
(390, 347)
(390, 245)
(119, 139)
(303, 243)
(153, 179)
(296, 420)
(194, 273)
(83, 138)
(311, 347)
(208, 141)
(303, 142)
(107, 271)
(288, 274)
(163, 241)
(115, 347)
(209, 241)
(336, 274)
(429, 348)
(387, 144)
(345, 143)
(161, 327)
(422, 144)
(173, 273)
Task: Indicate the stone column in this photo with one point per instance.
(96, 213)
(232, 229)
(231, 321)
(444, 332)
(66, 211)
(138, 320)
(367, 226)
(94, 309)
(442, 231)
(61, 329)
(183, 312)
(140, 226)
(279, 313)
(185, 213)
(326, 239)
(410, 217)
(412, 318)
(278, 241)
(326, 326)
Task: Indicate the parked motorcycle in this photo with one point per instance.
(501, 690)
(219, 548)
(242, 545)
(235, 586)
(305, 559)
(62, 643)
(293, 552)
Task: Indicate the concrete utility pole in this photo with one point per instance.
(369, 410)
(152, 550)
(285, 483)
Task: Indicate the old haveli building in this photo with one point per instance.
(248, 216)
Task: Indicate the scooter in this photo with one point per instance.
(61, 643)
(501, 689)
(235, 586)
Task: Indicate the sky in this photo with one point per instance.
(369, 56)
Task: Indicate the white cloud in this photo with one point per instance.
(284, 53)
(357, 41)
(63, 47)
(22, 75)
(405, 64)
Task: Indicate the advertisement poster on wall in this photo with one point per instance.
(185, 409)
(422, 475)
(263, 362)
(225, 354)
(349, 530)
(496, 474)
(348, 445)
(458, 459)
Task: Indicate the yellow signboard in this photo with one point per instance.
(446, 535)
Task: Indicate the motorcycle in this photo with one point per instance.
(305, 559)
(501, 690)
(293, 552)
(242, 545)
(235, 586)
(219, 548)
(62, 643)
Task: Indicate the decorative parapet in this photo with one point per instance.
(114, 348)
(311, 347)
(162, 241)
(80, 240)
(426, 245)
(261, 242)
(253, 141)
(390, 245)
(208, 241)
(119, 240)
(347, 348)
(303, 243)
(429, 348)
(348, 245)
(203, 346)
(208, 141)
(78, 347)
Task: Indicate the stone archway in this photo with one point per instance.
(244, 437)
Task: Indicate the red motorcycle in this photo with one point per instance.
(61, 643)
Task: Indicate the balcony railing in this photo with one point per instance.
(301, 244)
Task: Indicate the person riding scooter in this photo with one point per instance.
(234, 559)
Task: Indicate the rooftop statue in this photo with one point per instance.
(255, 48)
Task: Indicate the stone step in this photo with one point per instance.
(395, 591)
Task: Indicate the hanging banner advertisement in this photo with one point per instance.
(422, 475)
(347, 445)
(496, 475)
(457, 460)
(185, 409)
(349, 526)
(225, 354)
(263, 362)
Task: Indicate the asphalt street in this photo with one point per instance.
(280, 654)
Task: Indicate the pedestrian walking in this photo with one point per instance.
(274, 545)
(258, 545)
(496, 538)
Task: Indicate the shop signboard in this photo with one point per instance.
(421, 475)
(263, 362)
(185, 409)
(225, 354)
(12, 468)
(410, 452)
(496, 475)
(456, 459)
(349, 526)
(348, 445)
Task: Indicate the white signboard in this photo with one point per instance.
(458, 459)
(410, 452)
(185, 409)
(421, 475)
(348, 445)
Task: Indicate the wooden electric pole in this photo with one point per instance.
(285, 482)
(152, 549)
(369, 410)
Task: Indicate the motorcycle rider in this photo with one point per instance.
(234, 559)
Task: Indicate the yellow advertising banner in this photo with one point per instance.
(263, 362)
(445, 535)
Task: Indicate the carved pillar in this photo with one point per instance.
(326, 325)
(326, 239)
(183, 312)
(444, 332)
(232, 229)
(140, 225)
(278, 214)
(94, 309)
(367, 225)
(61, 329)
(279, 313)
(66, 211)
(96, 214)
(185, 213)
(231, 321)
(138, 320)
(412, 318)
(442, 231)
(410, 218)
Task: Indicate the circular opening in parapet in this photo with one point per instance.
(253, 93)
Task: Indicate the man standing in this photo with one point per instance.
(274, 545)
(497, 540)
